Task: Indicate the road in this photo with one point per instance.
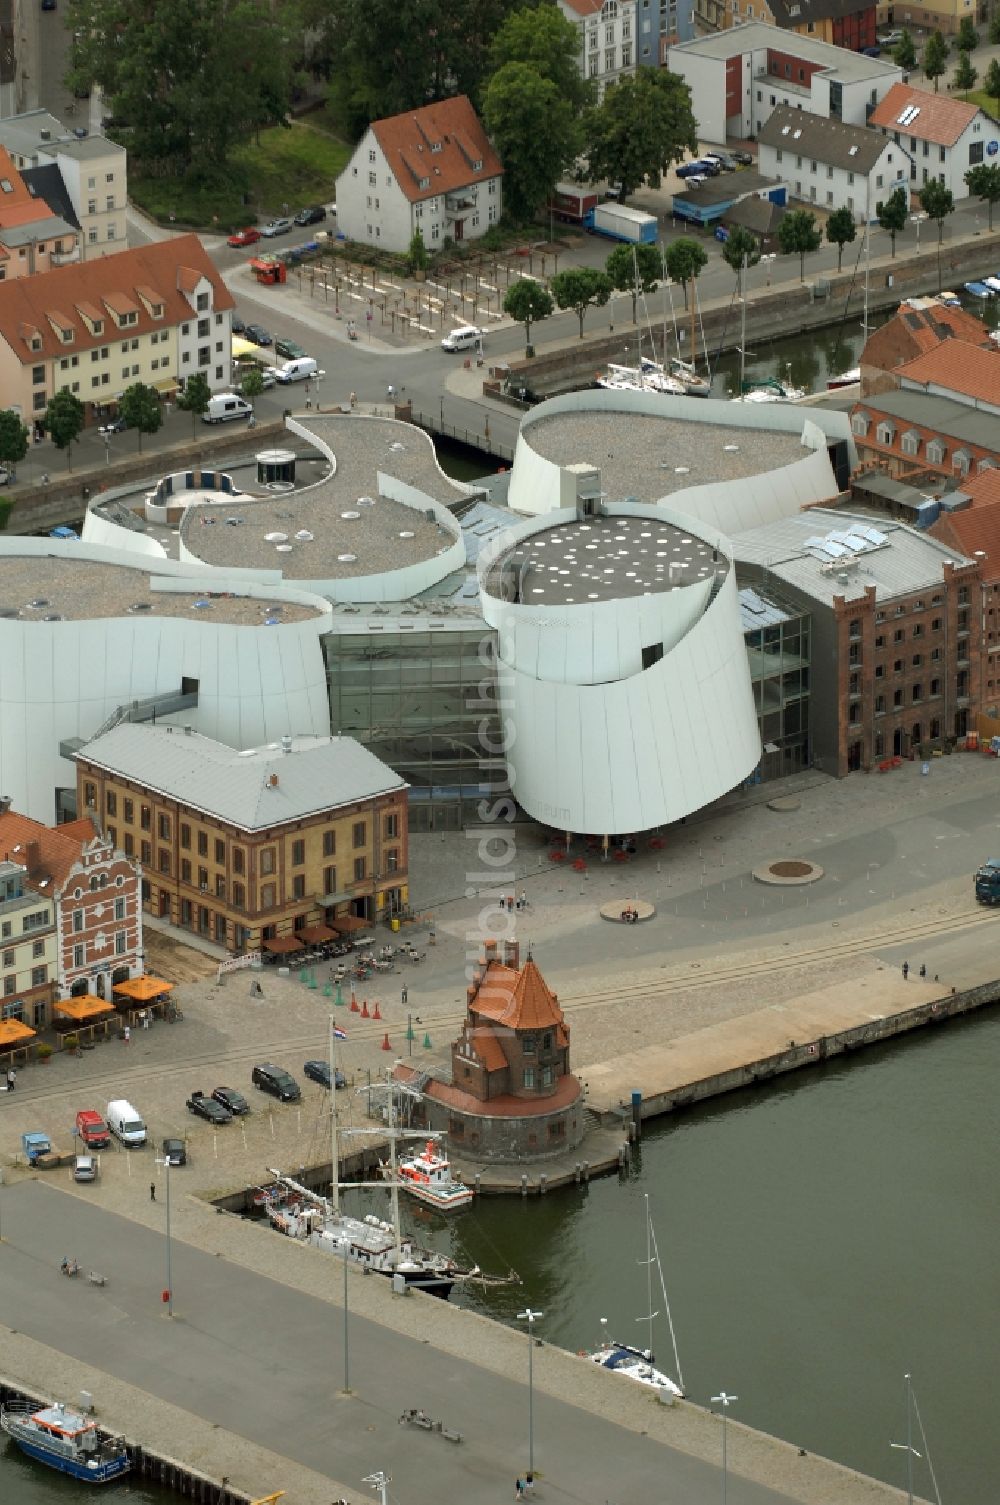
(264, 1361)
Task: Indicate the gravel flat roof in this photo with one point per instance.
(355, 532)
(650, 457)
(601, 559)
(51, 588)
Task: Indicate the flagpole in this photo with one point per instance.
(334, 1148)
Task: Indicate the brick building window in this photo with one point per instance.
(267, 860)
(359, 869)
(239, 860)
(185, 870)
(329, 880)
(360, 833)
(202, 843)
(239, 896)
(145, 854)
(329, 843)
(220, 851)
(267, 896)
(128, 812)
(391, 827)
(186, 837)
(146, 818)
(298, 886)
(528, 1076)
(298, 853)
(164, 863)
(163, 827)
(111, 802)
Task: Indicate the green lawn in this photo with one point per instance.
(986, 102)
(296, 166)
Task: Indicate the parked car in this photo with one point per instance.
(725, 161)
(277, 1081)
(891, 39)
(691, 169)
(871, 51)
(175, 1151)
(288, 349)
(208, 1108)
(314, 215)
(267, 372)
(92, 1129)
(85, 1168)
(741, 158)
(319, 1071)
(274, 227)
(237, 325)
(695, 179)
(248, 237)
(258, 334)
(115, 426)
(231, 1099)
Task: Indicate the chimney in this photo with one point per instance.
(187, 731)
(470, 994)
(32, 856)
(512, 954)
(491, 951)
(5, 803)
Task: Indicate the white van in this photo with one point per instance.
(468, 337)
(225, 405)
(125, 1123)
(300, 369)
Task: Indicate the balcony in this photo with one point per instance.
(461, 202)
(64, 258)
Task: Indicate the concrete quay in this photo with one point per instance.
(246, 1381)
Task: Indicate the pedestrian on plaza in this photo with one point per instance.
(354, 401)
(152, 1191)
(405, 995)
(510, 903)
(518, 1490)
(923, 970)
(524, 899)
(11, 1078)
(906, 970)
(529, 1483)
(145, 1018)
(127, 1035)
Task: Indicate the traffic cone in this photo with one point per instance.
(427, 1042)
(364, 1009)
(385, 1042)
(376, 1011)
(354, 1004)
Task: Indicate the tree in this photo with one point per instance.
(13, 441)
(991, 83)
(195, 397)
(251, 385)
(550, 44)
(187, 86)
(935, 59)
(643, 125)
(635, 270)
(536, 132)
(904, 54)
(580, 287)
(966, 73)
(417, 259)
(968, 37)
(841, 231)
(983, 182)
(995, 29)
(938, 202)
(139, 405)
(526, 302)
(685, 259)
(799, 234)
(892, 214)
(742, 249)
(63, 421)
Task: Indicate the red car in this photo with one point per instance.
(247, 237)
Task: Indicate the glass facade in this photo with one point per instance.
(425, 702)
(778, 655)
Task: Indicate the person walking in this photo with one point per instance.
(405, 995)
(906, 970)
(524, 899)
(152, 1191)
(518, 1490)
(127, 1035)
(529, 1484)
(11, 1078)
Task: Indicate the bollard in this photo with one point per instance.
(637, 1113)
(541, 1185)
(586, 1172)
(576, 1173)
(524, 1184)
(479, 1177)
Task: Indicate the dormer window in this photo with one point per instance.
(435, 146)
(6, 185)
(36, 342)
(425, 182)
(66, 335)
(478, 166)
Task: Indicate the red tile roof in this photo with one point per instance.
(28, 304)
(586, 7)
(57, 851)
(974, 531)
(972, 370)
(517, 1000)
(440, 145)
(983, 489)
(18, 206)
(566, 1092)
(928, 326)
(941, 120)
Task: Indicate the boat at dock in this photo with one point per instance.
(637, 1363)
(979, 290)
(427, 1176)
(648, 376)
(693, 384)
(769, 389)
(845, 379)
(66, 1441)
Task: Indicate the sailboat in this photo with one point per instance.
(376, 1244)
(912, 1409)
(637, 1363)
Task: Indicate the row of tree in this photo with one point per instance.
(638, 269)
(934, 62)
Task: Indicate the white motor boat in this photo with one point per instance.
(428, 1177)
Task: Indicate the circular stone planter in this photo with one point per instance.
(788, 872)
(613, 911)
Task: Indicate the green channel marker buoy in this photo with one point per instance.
(427, 1042)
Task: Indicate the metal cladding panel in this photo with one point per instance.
(646, 750)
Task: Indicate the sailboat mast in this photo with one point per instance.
(393, 1166)
(909, 1442)
(649, 1276)
(743, 326)
(694, 329)
(334, 1145)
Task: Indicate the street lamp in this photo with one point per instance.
(531, 1318)
(165, 1162)
(917, 219)
(410, 1019)
(319, 377)
(725, 1401)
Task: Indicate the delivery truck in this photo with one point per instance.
(618, 222)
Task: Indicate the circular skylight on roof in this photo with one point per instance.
(276, 537)
(304, 536)
(283, 548)
(407, 533)
(350, 516)
(347, 558)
